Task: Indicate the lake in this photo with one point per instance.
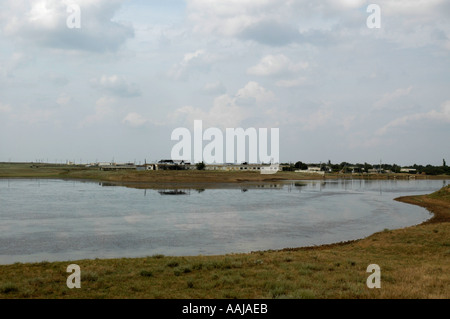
(59, 220)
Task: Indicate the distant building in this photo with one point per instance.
(356, 169)
(311, 170)
(408, 170)
(104, 164)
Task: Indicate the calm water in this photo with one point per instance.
(69, 220)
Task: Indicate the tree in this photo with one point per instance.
(300, 165)
(396, 168)
(200, 166)
(367, 167)
(443, 163)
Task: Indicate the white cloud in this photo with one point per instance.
(214, 88)
(224, 113)
(442, 115)
(117, 85)
(302, 119)
(197, 60)
(389, 97)
(230, 110)
(103, 111)
(414, 23)
(292, 83)
(134, 120)
(411, 7)
(348, 3)
(225, 17)
(276, 64)
(44, 23)
(316, 119)
(252, 91)
(269, 22)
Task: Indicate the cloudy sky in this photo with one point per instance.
(135, 70)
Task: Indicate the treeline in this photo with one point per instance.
(432, 170)
(346, 167)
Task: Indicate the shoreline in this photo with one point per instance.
(185, 178)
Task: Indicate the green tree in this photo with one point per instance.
(367, 166)
(200, 166)
(396, 168)
(300, 165)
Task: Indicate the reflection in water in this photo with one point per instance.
(298, 184)
(70, 220)
(106, 184)
(175, 192)
(269, 185)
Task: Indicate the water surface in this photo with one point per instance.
(70, 220)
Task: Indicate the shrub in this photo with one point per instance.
(8, 288)
(172, 264)
(145, 273)
(200, 166)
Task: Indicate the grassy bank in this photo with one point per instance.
(414, 262)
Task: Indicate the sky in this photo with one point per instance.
(115, 86)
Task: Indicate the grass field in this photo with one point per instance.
(414, 262)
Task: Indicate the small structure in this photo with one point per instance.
(408, 170)
(311, 170)
(272, 169)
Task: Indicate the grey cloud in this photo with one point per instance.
(97, 33)
(271, 33)
(214, 88)
(117, 85)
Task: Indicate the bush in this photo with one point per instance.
(200, 166)
(172, 264)
(145, 273)
(8, 287)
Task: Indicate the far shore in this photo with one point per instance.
(180, 178)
